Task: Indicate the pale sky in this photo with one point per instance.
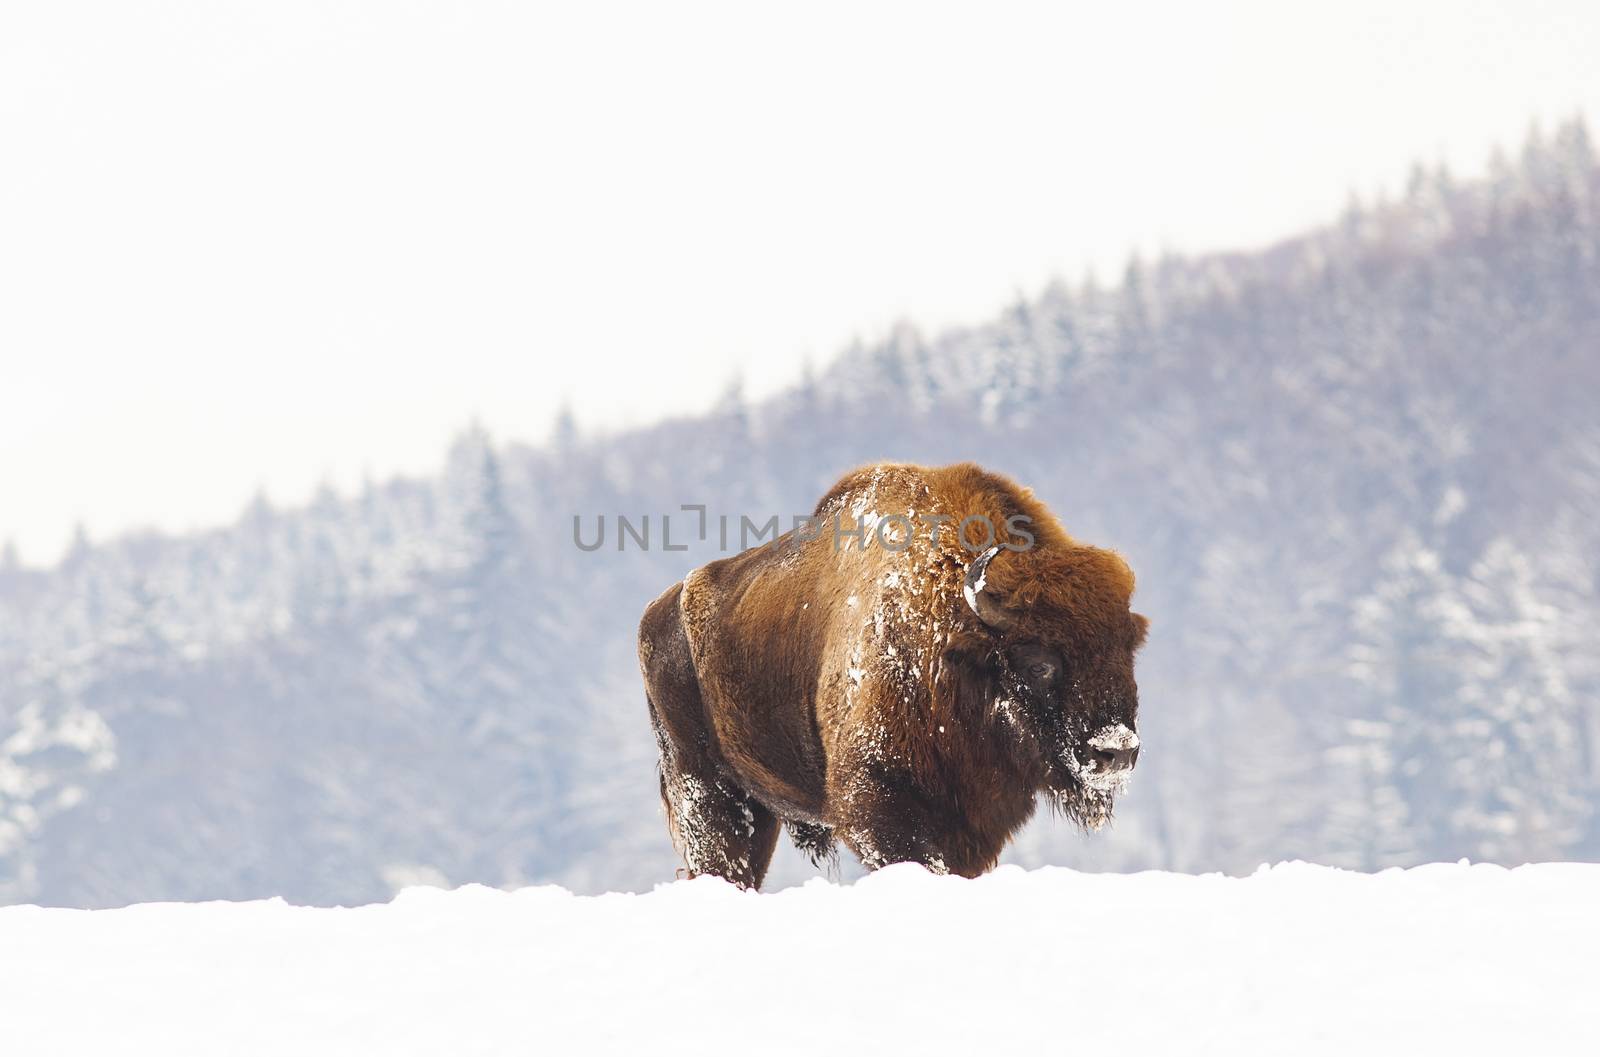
(263, 246)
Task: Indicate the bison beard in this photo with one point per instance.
(910, 700)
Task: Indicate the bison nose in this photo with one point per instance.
(1114, 748)
(1115, 759)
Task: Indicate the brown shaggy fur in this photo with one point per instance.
(852, 693)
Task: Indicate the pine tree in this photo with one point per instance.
(1519, 769)
(1472, 744)
(78, 551)
(564, 431)
(1391, 749)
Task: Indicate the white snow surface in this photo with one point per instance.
(1294, 959)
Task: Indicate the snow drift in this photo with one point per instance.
(1295, 959)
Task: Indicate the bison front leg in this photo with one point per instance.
(717, 828)
(888, 825)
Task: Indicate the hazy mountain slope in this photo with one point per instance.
(1357, 473)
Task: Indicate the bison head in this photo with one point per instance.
(1061, 644)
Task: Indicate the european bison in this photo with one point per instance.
(892, 677)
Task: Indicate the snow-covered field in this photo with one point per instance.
(1296, 959)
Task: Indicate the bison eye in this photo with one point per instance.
(1039, 665)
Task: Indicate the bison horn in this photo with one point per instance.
(984, 603)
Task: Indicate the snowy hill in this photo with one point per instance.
(1357, 473)
(1296, 959)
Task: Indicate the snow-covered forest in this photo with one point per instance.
(1357, 473)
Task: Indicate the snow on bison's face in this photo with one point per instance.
(1064, 675)
(1084, 713)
